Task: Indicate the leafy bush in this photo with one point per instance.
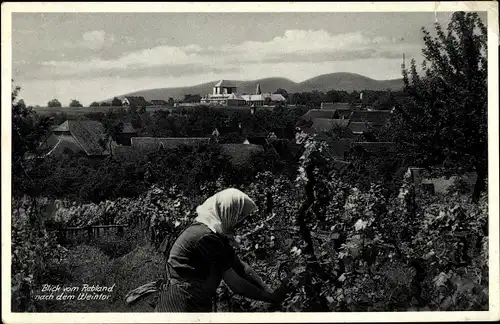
(37, 259)
(378, 253)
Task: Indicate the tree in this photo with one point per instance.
(385, 101)
(170, 102)
(105, 104)
(75, 103)
(94, 104)
(282, 92)
(443, 122)
(54, 103)
(311, 99)
(192, 98)
(27, 130)
(116, 102)
(113, 126)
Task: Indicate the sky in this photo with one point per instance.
(95, 56)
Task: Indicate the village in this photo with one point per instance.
(347, 127)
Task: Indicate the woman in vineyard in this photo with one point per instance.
(202, 256)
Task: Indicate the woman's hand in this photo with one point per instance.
(243, 287)
(279, 295)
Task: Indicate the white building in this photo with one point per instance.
(225, 94)
(221, 92)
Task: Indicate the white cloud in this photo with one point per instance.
(293, 46)
(156, 56)
(96, 40)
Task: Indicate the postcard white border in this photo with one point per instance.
(493, 145)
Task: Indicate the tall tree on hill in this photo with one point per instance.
(54, 103)
(282, 92)
(170, 102)
(75, 103)
(94, 104)
(116, 102)
(443, 122)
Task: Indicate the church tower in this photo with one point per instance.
(257, 90)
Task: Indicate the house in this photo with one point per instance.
(327, 113)
(326, 125)
(323, 125)
(126, 134)
(258, 138)
(131, 101)
(155, 102)
(422, 178)
(187, 105)
(225, 94)
(375, 117)
(224, 87)
(359, 128)
(265, 99)
(263, 138)
(342, 113)
(235, 100)
(220, 94)
(76, 136)
(336, 106)
(157, 143)
(341, 110)
(318, 113)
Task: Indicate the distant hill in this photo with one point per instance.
(325, 82)
(348, 82)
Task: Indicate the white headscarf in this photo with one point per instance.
(224, 210)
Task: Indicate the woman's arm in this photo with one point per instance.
(243, 287)
(253, 277)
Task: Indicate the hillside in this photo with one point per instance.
(348, 82)
(325, 82)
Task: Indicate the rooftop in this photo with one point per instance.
(234, 96)
(318, 113)
(159, 102)
(336, 105)
(155, 143)
(359, 127)
(326, 125)
(136, 101)
(225, 84)
(376, 117)
(86, 134)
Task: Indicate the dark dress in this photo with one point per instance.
(196, 263)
